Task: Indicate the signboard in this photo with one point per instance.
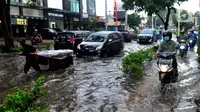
(18, 21)
(55, 15)
(85, 15)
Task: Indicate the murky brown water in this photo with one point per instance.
(99, 85)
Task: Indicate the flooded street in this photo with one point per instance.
(99, 85)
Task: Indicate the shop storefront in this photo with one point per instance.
(19, 26)
(35, 19)
(57, 20)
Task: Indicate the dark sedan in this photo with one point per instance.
(128, 35)
(147, 35)
(70, 39)
(102, 43)
(47, 33)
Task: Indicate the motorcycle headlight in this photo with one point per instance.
(164, 68)
(99, 48)
(190, 41)
(182, 47)
(78, 47)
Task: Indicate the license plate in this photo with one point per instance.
(91, 50)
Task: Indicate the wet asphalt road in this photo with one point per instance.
(99, 85)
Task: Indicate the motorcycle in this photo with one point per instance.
(165, 68)
(36, 39)
(183, 48)
(191, 43)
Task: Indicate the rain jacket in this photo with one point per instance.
(193, 35)
(167, 46)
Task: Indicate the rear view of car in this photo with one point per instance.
(64, 41)
(146, 35)
(126, 35)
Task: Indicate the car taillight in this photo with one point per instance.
(72, 39)
(55, 41)
(129, 36)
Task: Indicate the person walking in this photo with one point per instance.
(31, 61)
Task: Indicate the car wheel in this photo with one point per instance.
(104, 54)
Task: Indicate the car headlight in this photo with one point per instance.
(182, 47)
(78, 47)
(99, 48)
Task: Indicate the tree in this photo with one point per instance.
(157, 21)
(134, 20)
(184, 26)
(6, 24)
(153, 7)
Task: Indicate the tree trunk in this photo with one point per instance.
(6, 25)
(167, 18)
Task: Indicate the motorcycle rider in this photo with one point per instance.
(183, 37)
(37, 36)
(168, 45)
(193, 36)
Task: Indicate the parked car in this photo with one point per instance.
(128, 35)
(70, 39)
(147, 35)
(58, 30)
(101, 43)
(47, 33)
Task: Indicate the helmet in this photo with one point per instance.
(167, 34)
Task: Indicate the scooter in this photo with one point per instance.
(36, 39)
(165, 68)
(191, 43)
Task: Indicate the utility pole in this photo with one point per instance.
(116, 14)
(126, 20)
(152, 21)
(106, 14)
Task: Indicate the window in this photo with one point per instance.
(115, 36)
(13, 1)
(96, 38)
(71, 5)
(74, 7)
(147, 32)
(38, 2)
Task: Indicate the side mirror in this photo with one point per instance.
(110, 40)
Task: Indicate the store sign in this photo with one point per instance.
(55, 15)
(18, 21)
(85, 15)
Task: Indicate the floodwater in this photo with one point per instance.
(99, 85)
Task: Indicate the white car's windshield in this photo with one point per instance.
(146, 32)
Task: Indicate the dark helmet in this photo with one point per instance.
(167, 33)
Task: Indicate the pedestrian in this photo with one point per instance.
(159, 37)
(28, 52)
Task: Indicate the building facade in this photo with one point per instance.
(27, 16)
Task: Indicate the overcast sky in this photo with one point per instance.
(191, 5)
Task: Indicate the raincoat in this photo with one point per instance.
(167, 46)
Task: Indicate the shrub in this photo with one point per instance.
(16, 49)
(25, 100)
(133, 63)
